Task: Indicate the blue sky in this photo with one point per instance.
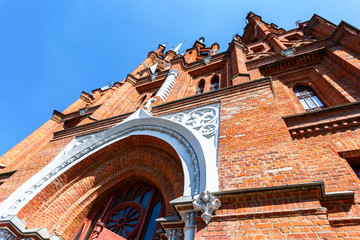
(50, 51)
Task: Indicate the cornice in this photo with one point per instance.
(332, 119)
(185, 204)
(292, 62)
(131, 79)
(147, 80)
(60, 117)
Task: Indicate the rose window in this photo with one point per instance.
(124, 219)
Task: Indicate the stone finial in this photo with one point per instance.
(178, 47)
(207, 203)
(174, 234)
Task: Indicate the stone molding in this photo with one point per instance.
(199, 174)
(328, 119)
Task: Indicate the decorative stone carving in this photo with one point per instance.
(189, 219)
(153, 76)
(148, 104)
(207, 203)
(204, 120)
(288, 52)
(174, 234)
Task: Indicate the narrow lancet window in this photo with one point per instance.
(200, 88)
(214, 85)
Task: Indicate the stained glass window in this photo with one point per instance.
(130, 213)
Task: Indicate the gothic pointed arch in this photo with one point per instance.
(200, 87)
(215, 83)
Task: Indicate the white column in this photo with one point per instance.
(165, 88)
(189, 229)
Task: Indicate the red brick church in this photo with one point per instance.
(258, 141)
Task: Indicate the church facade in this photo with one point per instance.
(259, 141)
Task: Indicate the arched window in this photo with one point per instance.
(130, 213)
(214, 85)
(200, 88)
(308, 99)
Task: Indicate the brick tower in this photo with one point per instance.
(259, 141)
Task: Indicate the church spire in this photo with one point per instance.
(178, 47)
(153, 67)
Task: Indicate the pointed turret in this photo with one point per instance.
(178, 47)
(153, 67)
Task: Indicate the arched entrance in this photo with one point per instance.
(135, 160)
(129, 212)
(92, 164)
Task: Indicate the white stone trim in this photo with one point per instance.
(198, 157)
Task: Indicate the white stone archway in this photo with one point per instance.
(196, 152)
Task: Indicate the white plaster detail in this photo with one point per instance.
(279, 170)
(106, 87)
(207, 203)
(145, 64)
(256, 27)
(177, 49)
(174, 234)
(166, 87)
(82, 111)
(205, 120)
(207, 60)
(153, 76)
(289, 52)
(153, 67)
(198, 158)
(148, 104)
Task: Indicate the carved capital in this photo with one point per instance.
(207, 203)
(174, 234)
(189, 219)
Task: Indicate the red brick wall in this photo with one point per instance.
(68, 199)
